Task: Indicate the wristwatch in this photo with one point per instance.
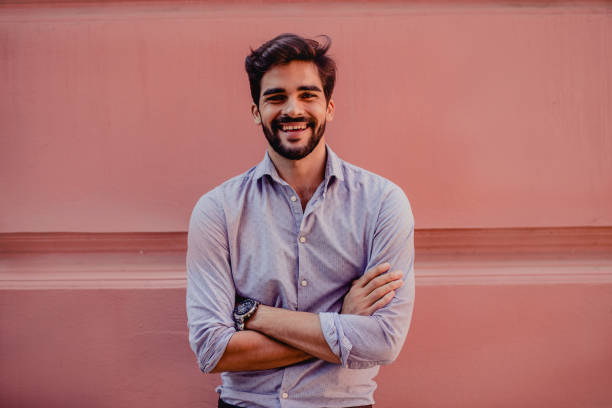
(244, 310)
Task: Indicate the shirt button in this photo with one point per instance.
(285, 395)
(304, 282)
(293, 198)
(302, 239)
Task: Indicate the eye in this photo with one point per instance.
(309, 95)
(275, 98)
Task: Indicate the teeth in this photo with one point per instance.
(300, 127)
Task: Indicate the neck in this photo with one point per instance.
(303, 175)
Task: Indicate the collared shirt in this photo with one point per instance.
(250, 237)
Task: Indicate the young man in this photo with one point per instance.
(300, 271)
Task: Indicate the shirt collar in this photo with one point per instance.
(333, 168)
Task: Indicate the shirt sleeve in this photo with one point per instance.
(210, 287)
(366, 341)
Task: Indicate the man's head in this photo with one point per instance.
(286, 48)
(291, 82)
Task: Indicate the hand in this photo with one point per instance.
(374, 290)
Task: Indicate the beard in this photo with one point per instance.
(316, 132)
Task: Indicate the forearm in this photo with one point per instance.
(364, 341)
(301, 330)
(249, 350)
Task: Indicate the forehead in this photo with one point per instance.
(291, 76)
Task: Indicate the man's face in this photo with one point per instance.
(292, 109)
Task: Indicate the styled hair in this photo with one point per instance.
(282, 50)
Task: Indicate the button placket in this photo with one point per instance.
(294, 205)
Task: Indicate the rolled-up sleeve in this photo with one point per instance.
(210, 287)
(365, 341)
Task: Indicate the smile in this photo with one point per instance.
(293, 128)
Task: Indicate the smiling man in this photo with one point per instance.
(301, 133)
(300, 271)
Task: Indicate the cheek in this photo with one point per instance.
(265, 120)
(320, 113)
(267, 115)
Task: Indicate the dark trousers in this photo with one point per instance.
(223, 404)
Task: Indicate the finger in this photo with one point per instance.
(380, 292)
(382, 302)
(374, 272)
(383, 279)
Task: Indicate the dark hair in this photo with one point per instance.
(286, 48)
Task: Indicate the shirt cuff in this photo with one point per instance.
(334, 336)
(209, 357)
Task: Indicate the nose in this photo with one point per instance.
(293, 107)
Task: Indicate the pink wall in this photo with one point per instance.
(117, 117)
(469, 346)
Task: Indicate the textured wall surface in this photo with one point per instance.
(469, 346)
(118, 116)
(115, 116)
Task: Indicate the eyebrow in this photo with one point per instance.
(310, 88)
(301, 88)
(272, 91)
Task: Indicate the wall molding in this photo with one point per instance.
(70, 242)
(496, 256)
(515, 243)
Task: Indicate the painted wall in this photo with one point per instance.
(469, 346)
(118, 116)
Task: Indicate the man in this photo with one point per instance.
(300, 271)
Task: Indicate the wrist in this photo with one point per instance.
(253, 323)
(245, 309)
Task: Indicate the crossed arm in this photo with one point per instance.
(267, 344)
(369, 330)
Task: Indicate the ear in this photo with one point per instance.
(255, 113)
(331, 108)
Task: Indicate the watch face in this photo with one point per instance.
(244, 306)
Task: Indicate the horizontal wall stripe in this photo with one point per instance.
(507, 273)
(426, 275)
(443, 257)
(61, 242)
(569, 242)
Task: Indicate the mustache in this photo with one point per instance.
(289, 119)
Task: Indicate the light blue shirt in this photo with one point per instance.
(250, 236)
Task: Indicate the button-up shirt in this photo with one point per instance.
(250, 236)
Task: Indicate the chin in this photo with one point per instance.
(294, 150)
